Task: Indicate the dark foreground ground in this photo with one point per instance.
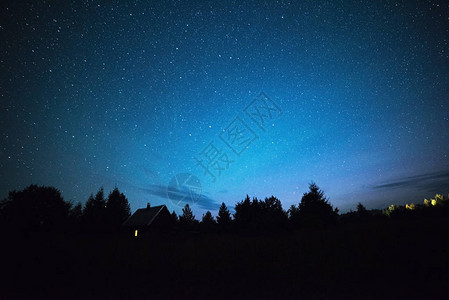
(386, 260)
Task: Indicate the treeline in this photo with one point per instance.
(436, 207)
(42, 209)
(254, 214)
(39, 208)
(313, 211)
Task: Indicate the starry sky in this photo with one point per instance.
(247, 97)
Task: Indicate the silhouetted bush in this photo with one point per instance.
(362, 211)
(360, 215)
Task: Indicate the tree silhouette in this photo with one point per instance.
(117, 208)
(77, 211)
(174, 218)
(208, 222)
(36, 208)
(208, 218)
(244, 211)
(293, 215)
(260, 214)
(224, 217)
(314, 209)
(362, 213)
(95, 211)
(273, 216)
(75, 216)
(361, 209)
(187, 219)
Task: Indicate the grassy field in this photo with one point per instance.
(378, 260)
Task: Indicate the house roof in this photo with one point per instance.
(144, 216)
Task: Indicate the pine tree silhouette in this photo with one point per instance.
(187, 219)
(224, 219)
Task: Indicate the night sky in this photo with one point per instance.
(257, 98)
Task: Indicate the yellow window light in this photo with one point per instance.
(135, 232)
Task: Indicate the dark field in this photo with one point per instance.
(383, 259)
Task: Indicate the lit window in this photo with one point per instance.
(135, 232)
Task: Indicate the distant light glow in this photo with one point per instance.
(135, 232)
(410, 206)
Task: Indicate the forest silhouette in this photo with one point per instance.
(60, 250)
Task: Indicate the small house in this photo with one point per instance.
(149, 219)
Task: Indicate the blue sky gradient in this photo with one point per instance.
(127, 93)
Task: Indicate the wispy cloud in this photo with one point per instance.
(182, 197)
(428, 182)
